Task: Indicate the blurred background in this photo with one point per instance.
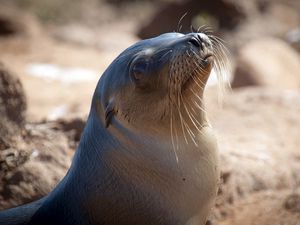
(52, 53)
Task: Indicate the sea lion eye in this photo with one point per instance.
(139, 71)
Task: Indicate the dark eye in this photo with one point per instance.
(139, 70)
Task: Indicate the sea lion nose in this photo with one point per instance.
(199, 40)
(195, 41)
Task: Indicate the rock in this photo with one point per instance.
(48, 157)
(16, 23)
(292, 203)
(72, 128)
(76, 34)
(293, 38)
(84, 36)
(13, 106)
(33, 157)
(258, 132)
(267, 62)
(264, 208)
(226, 13)
(9, 26)
(12, 97)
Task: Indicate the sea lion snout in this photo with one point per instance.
(198, 48)
(199, 40)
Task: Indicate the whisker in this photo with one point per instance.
(181, 121)
(172, 136)
(188, 129)
(188, 111)
(179, 22)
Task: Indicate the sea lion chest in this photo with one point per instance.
(174, 186)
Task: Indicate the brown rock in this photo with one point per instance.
(227, 14)
(16, 23)
(267, 62)
(12, 97)
(293, 38)
(33, 157)
(264, 208)
(292, 203)
(72, 128)
(12, 107)
(9, 26)
(46, 159)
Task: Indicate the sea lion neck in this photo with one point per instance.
(155, 118)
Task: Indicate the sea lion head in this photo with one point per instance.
(156, 77)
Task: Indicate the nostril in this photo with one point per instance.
(194, 41)
(199, 37)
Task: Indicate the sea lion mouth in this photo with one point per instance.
(195, 69)
(208, 57)
(207, 60)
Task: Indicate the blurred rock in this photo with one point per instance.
(16, 23)
(72, 128)
(102, 37)
(267, 62)
(226, 13)
(75, 34)
(293, 37)
(33, 157)
(47, 159)
(292, 202)
(12, 97)
(264, 208)
(75, 126)
(13, 106)
(10, 26)
(258, 132)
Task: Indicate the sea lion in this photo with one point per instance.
(147, 155)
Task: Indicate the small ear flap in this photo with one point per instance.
(109, 113)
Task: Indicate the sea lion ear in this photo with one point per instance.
(109, 113)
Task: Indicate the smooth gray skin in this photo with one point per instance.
(126, 170)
